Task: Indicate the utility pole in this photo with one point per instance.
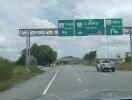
(27, 50)
(131, 42)
(27, 61)
(108, 49)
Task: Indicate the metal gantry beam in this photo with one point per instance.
(39, 32)
(53, 32)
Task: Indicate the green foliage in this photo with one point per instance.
(43, 54)
(18, 74)
(6, 69)
(91, 56)
(128, 59)
(22, 59)
(125, 66)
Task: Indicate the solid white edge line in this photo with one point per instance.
(79, 80)
(48, 86)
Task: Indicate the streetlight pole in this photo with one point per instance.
(27, 50)
(131, 43)
(27, 58)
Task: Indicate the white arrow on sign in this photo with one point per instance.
(113, 31)
(64, 32)
(79, 32)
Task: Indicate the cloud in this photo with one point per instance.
(35, 22)
(2, 39)
(9, 50)
(45, 13)
(104, 9)
(60, 53)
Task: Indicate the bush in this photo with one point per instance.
(128, 59)
(12, 74)
(6, 69)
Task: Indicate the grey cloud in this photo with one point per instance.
(16, 14)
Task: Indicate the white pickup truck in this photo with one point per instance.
(105, 65)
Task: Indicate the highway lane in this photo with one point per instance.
(69, 82)
(30, 89)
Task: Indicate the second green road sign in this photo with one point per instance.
(114, 27)
(84, 27)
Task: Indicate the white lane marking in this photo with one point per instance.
(58, 97)
(104, 74)
(79, 79)
(75, 74)
(48, 86)
(87, 90)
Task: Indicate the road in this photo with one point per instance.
(69, 82)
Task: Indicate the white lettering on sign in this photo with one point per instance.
(108, 22)
(61, 25)
(79, 25)
(116, 22)
(69, 24)
(64, 32)
(80, 32)
(91, 22)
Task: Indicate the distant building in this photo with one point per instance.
(69, 60)
(122, 56)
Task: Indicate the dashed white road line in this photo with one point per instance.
(87, 90)
(104, 73)
(58, 97)
(48, 86)
(79, 79)
(75, 74)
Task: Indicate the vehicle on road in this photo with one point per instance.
(105, 65)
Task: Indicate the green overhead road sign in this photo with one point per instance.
(84, 27)
(114, 27)
(66, 27)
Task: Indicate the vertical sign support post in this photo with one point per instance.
(130, 32)
(27, 50)
(108, 49)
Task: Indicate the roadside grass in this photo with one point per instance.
(120, 66)
(12, 74)
(125, 66)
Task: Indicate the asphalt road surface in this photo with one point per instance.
(70, 83)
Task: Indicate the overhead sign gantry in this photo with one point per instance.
(80, 27)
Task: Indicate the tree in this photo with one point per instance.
(22, 58)
(90, 57)
(43, 53)
(128, 57)
(33, 60)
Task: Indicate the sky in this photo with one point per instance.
(16, 14)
